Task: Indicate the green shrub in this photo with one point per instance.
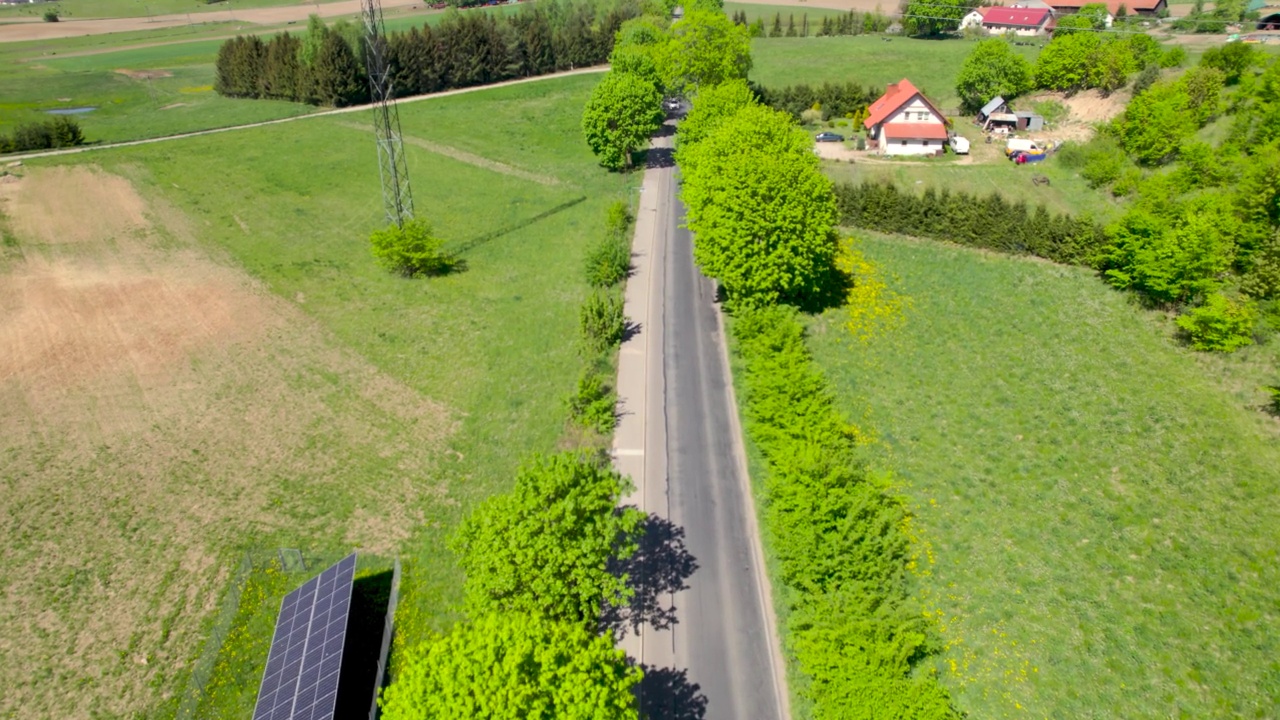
(65, 132)
(601, 321)
(1104, 163)
(1173, 57)
(411, 250)
(1262, 281)
(838, 535)
(51, 16)
(594, 404)
(1273, 406)
(609, 260)
(1220, 324)
(59, 132)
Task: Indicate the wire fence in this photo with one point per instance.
(290, 561)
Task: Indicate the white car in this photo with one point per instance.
(959, 145)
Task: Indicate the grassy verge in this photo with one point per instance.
(81, 9)
(1096, 499)
(358, 458)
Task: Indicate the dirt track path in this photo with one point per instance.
(339, 111)
(19, 31)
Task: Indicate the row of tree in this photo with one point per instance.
(852, 22)
(830, 100)
(537, 563)
(652, 58)
(325, 65)
(989, 222)
(763, 218)
(59, 132)
(1072, 61)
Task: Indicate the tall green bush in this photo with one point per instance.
(601, 321)
(411, 250)
(1220, 324)
(609, 260)
(838, 535)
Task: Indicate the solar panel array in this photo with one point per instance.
(300, 681)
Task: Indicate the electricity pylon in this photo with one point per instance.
(397, 197)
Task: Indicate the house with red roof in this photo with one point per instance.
(1024, 21)
(904, 122)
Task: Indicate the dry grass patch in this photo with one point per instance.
(162, 410)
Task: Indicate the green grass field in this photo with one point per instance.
(1098, 502)
(81, 9)
(389, 407)
(178, 98)
(872, 60)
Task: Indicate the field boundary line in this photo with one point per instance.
(295, 118)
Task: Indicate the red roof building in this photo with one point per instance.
(904, 122)
(1020, 20)
(1132, 7)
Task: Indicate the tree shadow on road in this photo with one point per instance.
(658, 569)
(667, 694)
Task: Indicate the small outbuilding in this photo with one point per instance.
(1029, 121)
(997, 105)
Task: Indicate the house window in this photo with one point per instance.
(904, 143)
(926, 143)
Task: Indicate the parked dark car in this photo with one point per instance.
(829, 137)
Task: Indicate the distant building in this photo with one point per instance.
(904, 122)
(1023, 21)
(1148, 8)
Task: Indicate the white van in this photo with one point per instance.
(1019, 145)
(959, 145)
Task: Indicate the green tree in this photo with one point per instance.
(1066, 62)
(1203, 87)
(934, 17)
(1069, 24)
(992, 69)
(1110, 65)
(761, 211)
(711, 107)
(706, 49)
(545, 547)
(410, 250)
(1171, 263)
(1156, 123)
(312, 39)
(1233, 59)
(1096, 13)
(637, 60)
(1220, 324)
(513, 666)
(623, 112)
(336, 78)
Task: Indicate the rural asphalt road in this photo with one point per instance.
(722, 635)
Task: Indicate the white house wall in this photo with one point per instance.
(915, 111)
(1019, 31)
(913, 147)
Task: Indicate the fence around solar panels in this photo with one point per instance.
(288, 569)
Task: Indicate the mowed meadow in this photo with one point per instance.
(1094, 504)
(201, 358)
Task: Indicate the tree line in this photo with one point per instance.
(990, 222)
(852, 22)
(832, 100)
(1072, 61)
(764, 218)
(59, 132)
(325, 65)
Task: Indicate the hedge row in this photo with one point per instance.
(59, 132)
(463, 50)
(838, 535)
(831, 99)
(989, 222)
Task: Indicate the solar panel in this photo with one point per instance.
(300, 681)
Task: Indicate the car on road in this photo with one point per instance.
(829, 137)
(671, 104)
